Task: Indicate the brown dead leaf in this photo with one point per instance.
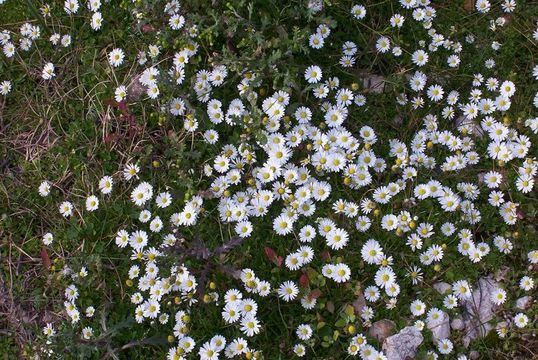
(148, 28)
(45, 258)
(316, 293)
(359, 303)
(304, 281)
(469, 5)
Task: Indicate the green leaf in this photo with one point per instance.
(340, 323)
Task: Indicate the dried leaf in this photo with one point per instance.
(315, 294)
(111, 102)
(272, 256)
(148, 28)
(325, 255)
(110, 138)
(122, 105)
(373, 83)
(270, 253)
(469, 5)
(359, 303)
(304, 281)
(135, 89)
(206, 194)
(45, 258)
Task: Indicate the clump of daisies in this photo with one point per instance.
(356, 209)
